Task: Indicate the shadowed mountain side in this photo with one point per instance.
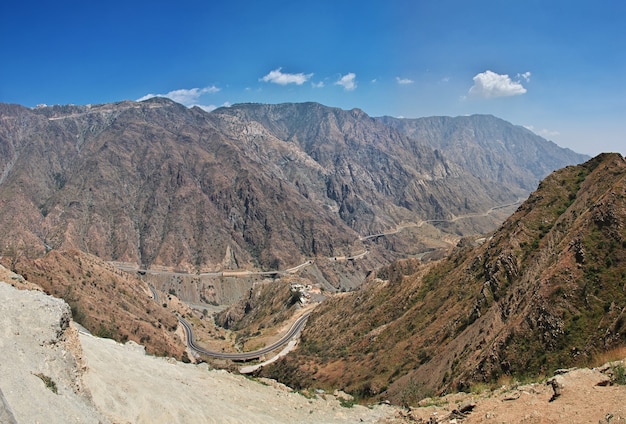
(155, 183)
(371, 174)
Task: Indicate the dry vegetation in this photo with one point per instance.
(108, 302)
(545, 291)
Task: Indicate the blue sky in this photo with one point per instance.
(557, 67)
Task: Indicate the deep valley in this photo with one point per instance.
(431, 255)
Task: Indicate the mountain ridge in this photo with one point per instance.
(477, 143)
(545, 291)
(158, 184)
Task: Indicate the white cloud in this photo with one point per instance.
(403, 81)
(488, 84)
(348, 81)
(278, 77)
(545, 133)
(525, 75)
(318, 84)
(187, 97)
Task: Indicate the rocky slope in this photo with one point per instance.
(52, 373)
(250, 186)
(108, 302)
(489, 148)
(546, 290)
(584, 396)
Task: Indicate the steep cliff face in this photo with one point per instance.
(546, 290)
(41, 360)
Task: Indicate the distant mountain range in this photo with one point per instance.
(489, 148)
(250, 186)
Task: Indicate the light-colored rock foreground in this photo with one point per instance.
(99, 380)
(39, 371)
(131, 387)
(49, 373)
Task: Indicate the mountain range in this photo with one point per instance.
(250, 186)
(325, 195)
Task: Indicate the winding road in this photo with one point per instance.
(297, 268)
(243, 356)
(300, 322)
(456, 218)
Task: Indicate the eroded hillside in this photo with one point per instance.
(247, 187)
(546, 290)
(108, 302)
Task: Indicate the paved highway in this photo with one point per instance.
(244, 356)
(155, 295)
(456, 218)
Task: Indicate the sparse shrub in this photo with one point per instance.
(104, 333)
(78, 315)
(480, 387)
(50, 384)
(618, 374)
(346, 403)
(414, 392)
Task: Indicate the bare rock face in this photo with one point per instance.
(265, 186)
(40, 372)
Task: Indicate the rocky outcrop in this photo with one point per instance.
(41, 369)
